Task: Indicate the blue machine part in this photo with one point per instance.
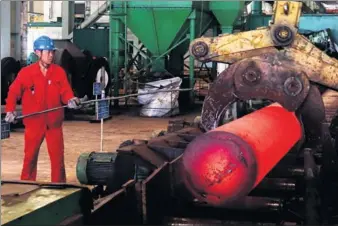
(102, 109)
(97, 88)
(317, 22)
(307, 23)
(5, 130)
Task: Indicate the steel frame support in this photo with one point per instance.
(68, 13)
(114, 48)
(192, 18)
(15, 33)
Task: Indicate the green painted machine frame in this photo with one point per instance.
(31, 203)
(165, 28)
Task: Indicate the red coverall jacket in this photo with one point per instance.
(39, 92)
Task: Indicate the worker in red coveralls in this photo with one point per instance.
(41, 86)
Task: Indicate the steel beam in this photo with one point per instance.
(192, 18)
(67, 18)
(16, 17)
(92, 18)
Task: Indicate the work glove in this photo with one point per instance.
(74, 103)
(10, 117)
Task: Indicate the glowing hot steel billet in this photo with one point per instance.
(225, 164)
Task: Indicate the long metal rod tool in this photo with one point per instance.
(102, 96)
(104, 99)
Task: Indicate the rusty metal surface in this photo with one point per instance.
(151, 150)
(287, 12)
(42, 184)
(23, 201)
(174, 125)
(270, 76)
(170, 153)
(220, 96)
(283, 32)
(14, 207)
(17, 189)
(313, 115)
(177, 139)
(156, 196)
(118, 208)
(170, 140)
(145, 153)
(330, 99)
(222, 47)
(319, 67)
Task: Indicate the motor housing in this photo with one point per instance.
(95, 168)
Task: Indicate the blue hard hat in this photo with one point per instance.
(44, 43)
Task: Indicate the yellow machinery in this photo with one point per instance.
(279, 38)
(274, 62)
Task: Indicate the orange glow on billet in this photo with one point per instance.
(226, 163)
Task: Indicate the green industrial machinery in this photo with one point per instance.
(166, 29)
(30, 203)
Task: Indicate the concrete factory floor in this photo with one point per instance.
(80, 136)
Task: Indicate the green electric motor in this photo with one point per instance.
(96, 168)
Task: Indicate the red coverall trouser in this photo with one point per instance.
(40, 92)
(55, 145)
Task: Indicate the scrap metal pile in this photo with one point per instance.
(276, 165)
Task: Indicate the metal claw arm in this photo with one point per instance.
(269, 76)
(280, 37)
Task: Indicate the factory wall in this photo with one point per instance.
(34, 33)
(52, 10)
(10, 29)
(36, 6)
